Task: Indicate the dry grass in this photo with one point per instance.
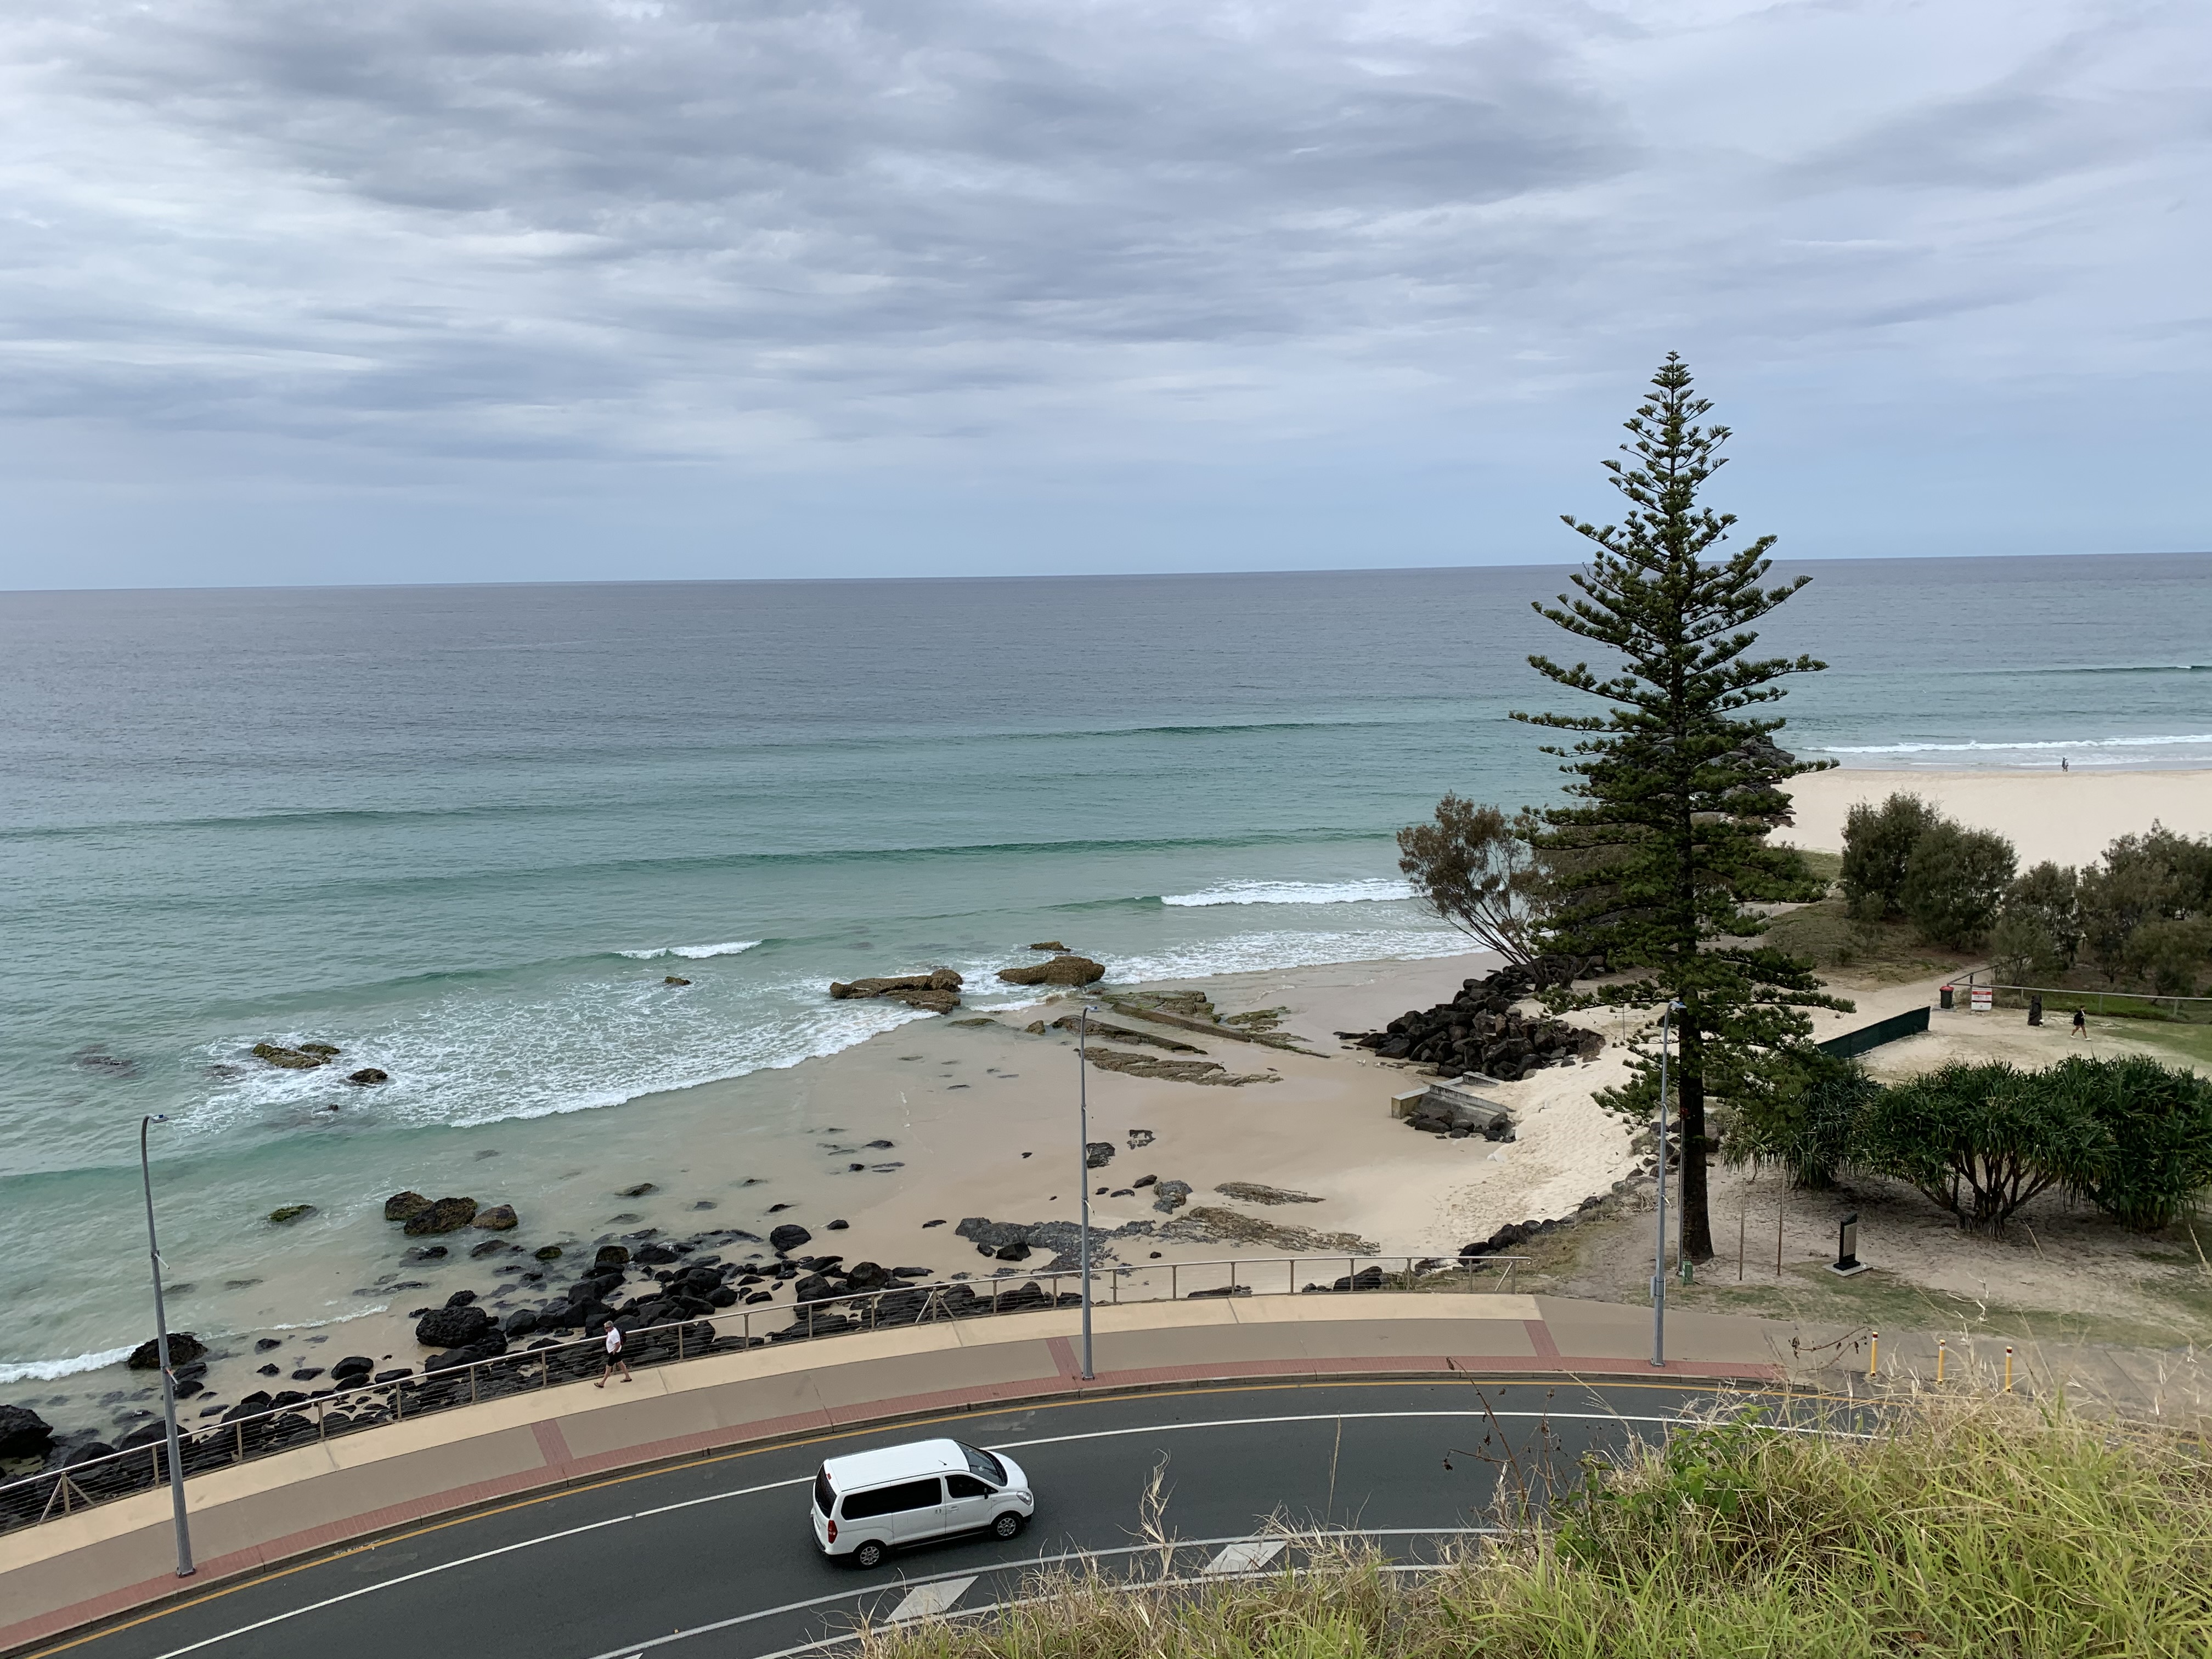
(1966, 1530)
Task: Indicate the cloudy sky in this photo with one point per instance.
(293, 290)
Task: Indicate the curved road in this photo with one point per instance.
(716, 1557)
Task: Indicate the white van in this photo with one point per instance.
(866, 1504)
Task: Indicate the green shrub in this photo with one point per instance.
(1954, 880)
(2170, 955)
(1877, 846)
(2039, 928)
(2156, 1127)
(1979, 1141)
(1810, 1135)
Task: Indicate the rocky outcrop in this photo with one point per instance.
(453, 1328)
(289, 1212)
(1175, 1071)
(1252, 1192)
(1097, 1154)
(937, 992)
(184, 1349)
(23, 1432)
(1481, 1031)
(404, 1207)
(1169, 1196)
(1192, 1011)
(1060, 970)
(367, 1075)
(499, 1218)
(301, 1058)
(1105, 1031)
(444, 1215)
(788, 1238)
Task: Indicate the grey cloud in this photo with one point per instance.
(703, 227)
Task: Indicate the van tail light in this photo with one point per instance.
(833, 1532)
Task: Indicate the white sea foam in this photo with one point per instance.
(1248, 953)
(336, 1319)
(695, 953)
(1293, 892)
(45, 1371)
(2052, 746)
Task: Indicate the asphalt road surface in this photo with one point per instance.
(716, 1557)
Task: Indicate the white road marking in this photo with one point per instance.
(928, 1601)
(1250, 1556)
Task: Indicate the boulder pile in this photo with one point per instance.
(937, 992)
(1481, 1031)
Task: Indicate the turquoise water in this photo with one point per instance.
(464, 832)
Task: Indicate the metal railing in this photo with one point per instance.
(350, 1407)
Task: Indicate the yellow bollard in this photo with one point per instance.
(1873, 1354)
(2007, 1368)
(1939, 1358)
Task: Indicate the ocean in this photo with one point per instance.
(464, 833)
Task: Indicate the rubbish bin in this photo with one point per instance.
(1946, 996)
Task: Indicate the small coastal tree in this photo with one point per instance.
(1474, 866)
(1878, 843)
(1662, 844)
(1954, 881)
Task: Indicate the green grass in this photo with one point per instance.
(1879, 952)
(1966, 1530)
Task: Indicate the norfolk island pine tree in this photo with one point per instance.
(1662, 841)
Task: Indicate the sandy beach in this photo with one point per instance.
(939, 1120)
(2068, 818)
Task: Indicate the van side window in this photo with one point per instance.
(965, 1485)
(891, 1500)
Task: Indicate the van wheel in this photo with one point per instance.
(1006, 1525)
(869, 1555)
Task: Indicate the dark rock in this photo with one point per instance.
(1144, 1181)
(91, 1452)
(186, 1386)
(399, 1373)
(1097, 1154)
(306, 1373)
(1015, 1251)
(446, 1215)
(788, 1238)
(426, 1252)
(460, 1298)
(301, 1058)
(722, 1296)
(611, 1255)
(404, 1207)
(936, 991)
(640, 1190)
(184, 1348)
(520, 1322)
(654, 1255)
(909, 1272)
(674, 979)
(1064, 969)
(866, 1276)
(284, 1212)
(939, 1222)
(547, 1253)
(838, 1226)
(816, 1287)
(1169, 1196)
(490, 1247)
(353, 1365)
(368, 1074)
(267, 1370)
(990, 1236)
(452, 1327)
(500, 1218)
(146, 1434)
(23, 1432)
(264, 1343)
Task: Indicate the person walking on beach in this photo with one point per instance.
(2080, 1024)
(2061, 764)
(614, 1356)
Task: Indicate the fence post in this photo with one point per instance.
(472, 1385)
(320, 1432)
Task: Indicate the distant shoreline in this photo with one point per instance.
(2068, 817)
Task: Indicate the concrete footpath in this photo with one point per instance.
(118, 1556)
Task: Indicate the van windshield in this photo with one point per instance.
(983, 1463)
(825, 1495)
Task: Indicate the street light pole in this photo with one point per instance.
(184, 1568)
(1083, 1166)
(1659, 1255)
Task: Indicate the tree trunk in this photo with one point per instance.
(1690, 1102)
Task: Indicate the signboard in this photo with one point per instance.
(1985, 998)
